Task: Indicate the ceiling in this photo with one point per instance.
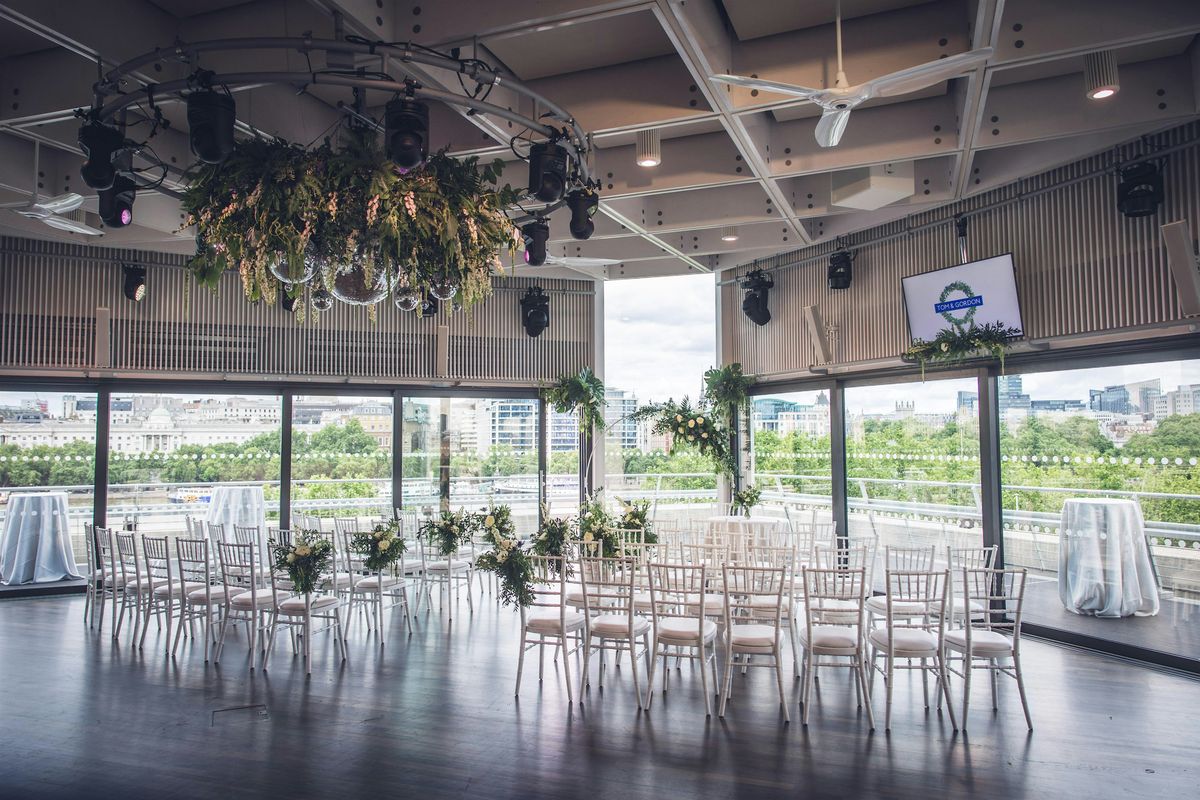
(730, 156)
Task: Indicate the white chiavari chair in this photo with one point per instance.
(162, 585)
(298, 612)
(377, 592)
(678, 597)
(831, 631)
(447, 572)
(106, 556)
(95, 578)
(912, 638)
(199, 599)
(247, 606)
(958, 559)
(133, 584)
(990, 639)
(782, 557)
(753, 626)
(901, 559)
(549, 616)
(611, 617)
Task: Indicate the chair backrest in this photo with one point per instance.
(237, 564)
(712, 556)
(1001, 593)
(908, 559)
(89, 543)
(629, 536)
(677, 591)
(916, 599)
(960, 558)
(607, 585)
(834, 596)
(216, 531)
(156, 552)
(128, 559)
(753, 595)
(345, 525)
(245, 534)
(280, 536)
(641, 552)
(194, 560)
(858, 554)
(549, 585)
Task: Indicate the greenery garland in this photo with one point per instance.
(691, 427)
(305, 560)
(955, 344)
(284, 217)
(726, 388)
(581, 393)
(382, 546)
(449, 530)
(745, 500)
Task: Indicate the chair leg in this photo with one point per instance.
(308, 645)
(787, 717)
(379, 609)
(637, 690)
(992, 675)
(862, 679)
(941, 667)
(728, 681)
(183, 611)
(566, 662)
(541, 657)
(271, 642)
(925, 681)
(1021, 689)
(583, 670)
(890, 678)
(220, 644)
(252, 625)
(521, 664)
(650, 678)
(968, 668)
(703, 678)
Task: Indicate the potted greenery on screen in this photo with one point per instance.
(304, 561)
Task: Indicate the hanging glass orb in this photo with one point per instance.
(406, 298)
(289, 272)
(443, 289)
(322, 300)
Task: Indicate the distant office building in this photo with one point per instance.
(620, 404)
(1114, 399)
(1010, 395)
(967, 403)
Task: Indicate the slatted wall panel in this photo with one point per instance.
(49, 294)
(1081, 266)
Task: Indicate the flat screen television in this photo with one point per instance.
(961, 296)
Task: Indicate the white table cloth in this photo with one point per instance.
(36, 544)
(738, 524)
(1104, 567)
(238, 505)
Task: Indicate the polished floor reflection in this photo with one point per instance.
(433, 715)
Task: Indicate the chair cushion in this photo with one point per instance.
(173, 588)
(832, 637)
(680, 629)
(217, 593)
(294, 606)
(752, 635)
(373, 581)
(247, 599)
(907, 641)
(983, 642)
(900, 608)
(547, 620)
(618, 625)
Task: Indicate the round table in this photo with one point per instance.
(1104, 566)
(36, 543)
(238, 505)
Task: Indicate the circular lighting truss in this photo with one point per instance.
(559, 149)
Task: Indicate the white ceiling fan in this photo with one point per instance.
(49, 210)
(838, 102)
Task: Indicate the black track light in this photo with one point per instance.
(210, 117)
(406, 132)
(429, 306)
(536, 234)
(535, 311)
(288, 302)
(839, 270)
(99, 143)
(1140, 190)
(583, 204)
(116, 202)
(547, 171)
(757, 285)
(134, 287)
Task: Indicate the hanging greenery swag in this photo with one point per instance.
(954, 344)
(582, 394)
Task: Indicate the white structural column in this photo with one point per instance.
(598, 449)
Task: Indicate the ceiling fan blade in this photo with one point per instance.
(919, 77)
(831, 126)
(768, 86)
(32, 212)
(61, 204)
(70, 225)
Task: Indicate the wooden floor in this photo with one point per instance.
(433, 715)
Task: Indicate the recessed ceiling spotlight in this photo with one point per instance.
(649, 148)
(1100, 74)
(729, 233)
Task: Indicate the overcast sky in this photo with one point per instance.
(659, 335)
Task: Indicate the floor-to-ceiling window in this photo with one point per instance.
(912, 464)
(169, 454)
(1113, 452)
(48, 443)
(791, 456)
(342, 455)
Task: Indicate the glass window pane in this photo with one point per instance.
(791, 454)
(342, 456)
(1099, 448)
(48, 443)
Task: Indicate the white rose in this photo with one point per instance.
(679, 418)
(291, 558)
(691, 423)
(489, 521)
(700, 420)
(502, 556)
(691, 438)
(384, 545)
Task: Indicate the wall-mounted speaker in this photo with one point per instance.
(1185, 270)
(816, 332)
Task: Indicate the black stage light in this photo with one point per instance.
(429, 306)
(406, 132)
(116, 202)
(1140, 190)
(547, 171)
(210, 124)
(583, 204)
(535, 311)
(99, 143)
(135, 282)
(839, 270)
(757, 285)
(288, 302)
(536, 234)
